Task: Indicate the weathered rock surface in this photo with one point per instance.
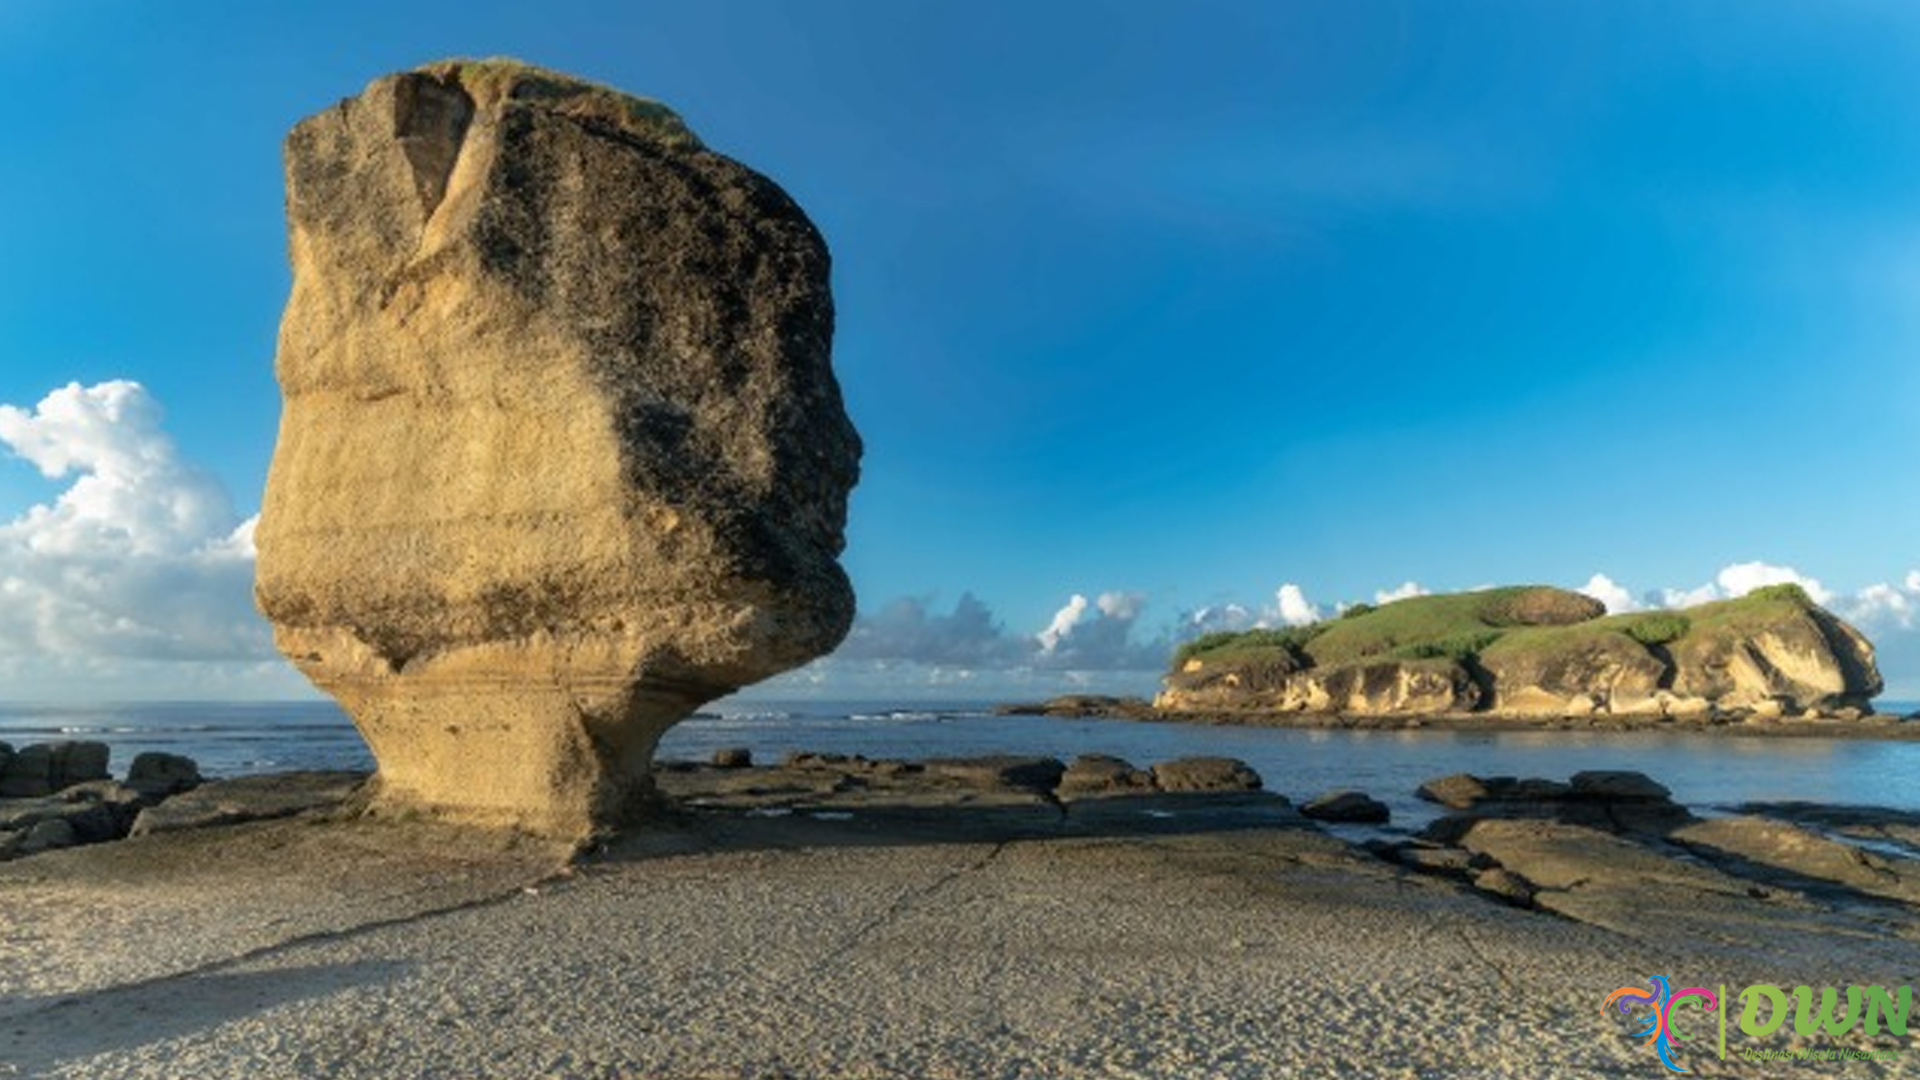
(1790, 856)
(1743, 881)
(1616, 800)
(1029, 796)
(562, 456)
(1575, 675)
(999, 770)
(804, 778)
(1205, 774)
(1386, 687)
(158, 775)
(1102, 774)
(1803, 657)
(44, 768)
(89, 811)
(250, 798)
(1535, 652)
(1347, 807)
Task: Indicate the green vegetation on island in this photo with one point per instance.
(1536, 650)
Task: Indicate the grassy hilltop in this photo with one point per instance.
(1537, 649)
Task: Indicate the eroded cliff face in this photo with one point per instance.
(1537, 652)
(562, 455)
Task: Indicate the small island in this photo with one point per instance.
(1529, 656)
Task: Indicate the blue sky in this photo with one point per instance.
(1161, 306)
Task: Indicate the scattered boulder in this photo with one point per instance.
(1617, 801)
(90, 812)
(1205, 774)
(44, 768)
(1347, 807)
(1462, 791)
(562, 456)
(29, 773)
(1103, 774)
(1619, 784)
(733, 757)
(999, 770)
(80, 763)
(157, 775)
(1459, 790)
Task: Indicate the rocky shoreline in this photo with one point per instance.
(1847, 724)
(834, 915)
(1485, 837)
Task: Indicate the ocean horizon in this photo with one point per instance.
(1707, 771)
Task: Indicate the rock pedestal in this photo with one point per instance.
(562, 456)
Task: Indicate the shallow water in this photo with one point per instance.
(1703, 770)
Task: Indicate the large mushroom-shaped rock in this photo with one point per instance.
(562, 456)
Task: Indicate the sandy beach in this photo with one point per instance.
(993, 938)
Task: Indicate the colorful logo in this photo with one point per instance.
(1764, 1008)
(1657, 1028)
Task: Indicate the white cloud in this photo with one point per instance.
(140, 558)
(1099, 637)
(1063, 623)
(1885, 605)
(919, 646)
(1609, 592)
(969, 637)
(1295, 608)
(1215, 617)
(1740, 579)
(1405, 591)
(1684, 598)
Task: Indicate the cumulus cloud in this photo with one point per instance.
(1215, 618)
(967, 637)
(1294, 607)
(1682, 598)
(1742, 578)
(1405, 591)
(1736, 580)
(140, 558)
(1099, 634)
(1609, 592)
(1100, 639)
(1886, 605)
(1063, 623)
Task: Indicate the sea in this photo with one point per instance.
(1708, 772)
